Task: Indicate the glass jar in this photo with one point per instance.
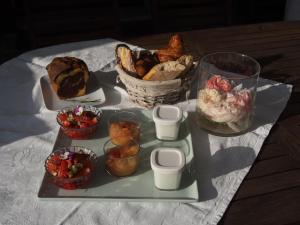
(121, 160)
(226, 92)
(123, 127)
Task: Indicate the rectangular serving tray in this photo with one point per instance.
(139, 186)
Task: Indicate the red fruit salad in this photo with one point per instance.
(70, 169)
(79, 122)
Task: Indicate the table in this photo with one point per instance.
(270, 194)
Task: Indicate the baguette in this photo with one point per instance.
(170, 70)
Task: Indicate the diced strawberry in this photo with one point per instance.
(63, 170)
(63, 116)
(66, 123)
(114, 153)
(55, 159)
(85, 119)
(64, 165)
(94, 120)
(52, 167)
(76, 118)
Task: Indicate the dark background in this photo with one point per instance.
(30, 24)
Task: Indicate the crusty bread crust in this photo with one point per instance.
(173, 51)
(170, 70)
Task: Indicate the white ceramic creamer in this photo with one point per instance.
(167, 165)
(167, 120)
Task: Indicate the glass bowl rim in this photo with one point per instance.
(238, 54)
(98, 113)
(115, 113)
(114, 145)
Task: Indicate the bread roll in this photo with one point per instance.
(187, 61)
(146, 60)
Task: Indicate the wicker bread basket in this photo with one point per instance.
(150, 93)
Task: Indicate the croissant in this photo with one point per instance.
(173, 51)
(68, 76)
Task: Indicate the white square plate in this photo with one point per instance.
(95, 95)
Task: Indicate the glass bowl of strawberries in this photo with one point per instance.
(71, 167)
(79, 122)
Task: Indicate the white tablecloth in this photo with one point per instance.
(28, 131)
